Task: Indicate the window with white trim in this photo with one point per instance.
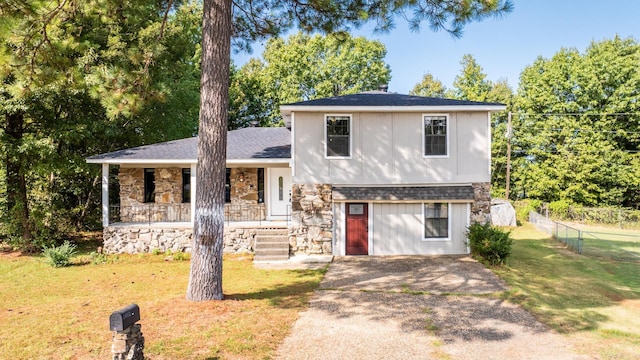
(338, 135)
(436, 220)
(435, 132)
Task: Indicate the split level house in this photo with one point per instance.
(373, 173)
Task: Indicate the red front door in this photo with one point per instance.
(357, 229)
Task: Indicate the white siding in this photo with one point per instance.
(387, 148)
(339, 229)
(398, 230)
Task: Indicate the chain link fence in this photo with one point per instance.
(617, 245)
(620, 217)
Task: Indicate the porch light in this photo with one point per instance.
(241, 177)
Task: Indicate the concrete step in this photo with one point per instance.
(271, 251)
(272, 238)
(267, 232)
(272, 245)
(270, 258)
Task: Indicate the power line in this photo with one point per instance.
(578, 114)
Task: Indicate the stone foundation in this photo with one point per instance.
(135, 239)
(481, 206)
(311, 229)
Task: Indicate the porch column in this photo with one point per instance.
(105, 195)
(193, 192)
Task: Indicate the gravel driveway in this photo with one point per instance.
(415, 307)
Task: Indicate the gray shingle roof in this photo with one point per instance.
(407, 193)
(242, 144)
(381, 98)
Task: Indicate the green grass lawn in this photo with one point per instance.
(63, 313)
(595, 301)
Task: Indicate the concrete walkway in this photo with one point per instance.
(417, 308)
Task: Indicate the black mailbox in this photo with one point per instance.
(124, 318)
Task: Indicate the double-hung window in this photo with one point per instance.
(435, 135)
(338, 136)
(436, 221)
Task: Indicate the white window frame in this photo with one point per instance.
(326, 156)
(448, 120)
(449, 221)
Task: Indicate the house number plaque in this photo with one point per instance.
(356, 209)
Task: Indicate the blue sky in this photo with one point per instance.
(502, 46)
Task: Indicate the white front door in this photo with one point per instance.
(279, 192)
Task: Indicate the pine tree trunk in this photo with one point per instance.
(17, 207)
(205, 278)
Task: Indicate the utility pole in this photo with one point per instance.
(508, 135)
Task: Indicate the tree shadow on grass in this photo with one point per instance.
(286, 296)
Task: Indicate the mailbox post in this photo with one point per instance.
(128, 342)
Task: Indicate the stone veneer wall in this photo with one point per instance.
(168, 204)
(143, 239)
(481, 206)
(311, 229)
(244, 192)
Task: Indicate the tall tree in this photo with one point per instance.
(472, 83)
(249, 102)
(252, 20)
(81, 78)
(578, 125)
(430, 87)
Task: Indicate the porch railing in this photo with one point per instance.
(148, 213)
(151, 213)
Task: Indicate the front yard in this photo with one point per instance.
(63, 313)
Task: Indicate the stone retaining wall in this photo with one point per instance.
(311, 230)
(135, 239)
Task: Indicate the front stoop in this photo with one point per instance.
(271, 245)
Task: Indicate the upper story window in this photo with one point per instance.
(435, 130)
(149, 185)
(338, 135)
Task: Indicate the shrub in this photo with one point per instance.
(490, 244)
(523, 208)
(60, 256)
(559, 209)
(98, 258)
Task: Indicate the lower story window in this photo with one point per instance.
(149, 185)
(186, 185)
(436, 220)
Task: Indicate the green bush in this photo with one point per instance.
(524, 207)
(559, 209)
(60, 256)
(489, 244)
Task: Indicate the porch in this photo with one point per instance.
(155, 213)
(152, 227)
